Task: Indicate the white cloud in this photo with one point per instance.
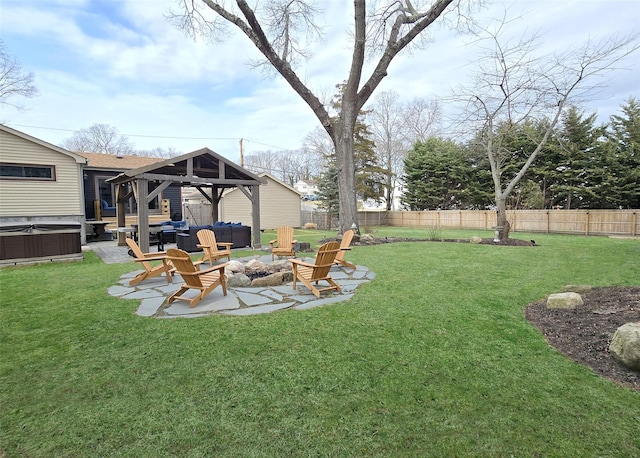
(131, 68)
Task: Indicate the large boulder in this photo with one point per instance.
(625, 345)
(580, 289)
(475, 239)
(254, 264)
(564, 301)
(273, 280)
(235, 267)
(279, 265)
(238, 280)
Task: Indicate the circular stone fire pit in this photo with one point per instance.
(253, 299)
(255, 273)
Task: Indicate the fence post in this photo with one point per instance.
(586, 223)
(634, 223)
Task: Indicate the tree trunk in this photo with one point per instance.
(502, 224)
(348, 211)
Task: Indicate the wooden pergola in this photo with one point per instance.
(203, 169)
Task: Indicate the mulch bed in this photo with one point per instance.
(584, 333)
(383, 240)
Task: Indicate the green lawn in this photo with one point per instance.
(431, 358)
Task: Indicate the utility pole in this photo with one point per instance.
(241, 154)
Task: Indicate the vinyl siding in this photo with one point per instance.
(279, 206)
(25, 198)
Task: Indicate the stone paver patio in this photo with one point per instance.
(153, 294)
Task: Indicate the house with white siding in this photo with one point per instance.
(40, 186)
(279, 205)
(306, 187)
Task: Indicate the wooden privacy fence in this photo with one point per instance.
(318, 217)
(197, 214)
(585, 222)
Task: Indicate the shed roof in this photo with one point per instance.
(268, 176)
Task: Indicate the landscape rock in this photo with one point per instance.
(366, 238)
(238, 280)
(235, 267)
(564, 301)
(625, 345)
(475, 239)
(277, 266)
(577, 288)
(254, 264)
(273, 280)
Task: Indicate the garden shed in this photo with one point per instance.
(279, 205)
(207, 171)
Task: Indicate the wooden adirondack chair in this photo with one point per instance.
(149, 270)
(212, 251)
(284, 245)
(311, 274)
(344, 247)
(204, 281)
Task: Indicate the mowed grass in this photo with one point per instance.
(431, 358)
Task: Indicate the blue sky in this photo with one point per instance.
(121, 62)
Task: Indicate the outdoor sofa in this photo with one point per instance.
(235, 233)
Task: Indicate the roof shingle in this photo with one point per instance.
(115, 162)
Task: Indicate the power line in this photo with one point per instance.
(163, 136)
(266, 144)
(137, 135)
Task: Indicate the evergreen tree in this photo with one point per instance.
(578, 159)
(478, 193)
(436, 175)
(625, 159)
(328, 191)
(369, 175)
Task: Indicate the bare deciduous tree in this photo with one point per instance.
(98, 138)
(319, 145)
(514, 85)
(264, 161)
(395, 127)
(422, 119)
(14, 81)
(288, 166)
(158, 151)
(386, 121)
(269, 26)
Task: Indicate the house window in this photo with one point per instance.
(155, 203)
(27, 172)
(104, 191)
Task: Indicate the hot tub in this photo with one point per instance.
(27, 241)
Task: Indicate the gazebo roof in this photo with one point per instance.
(202, 169)
(198, 168)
